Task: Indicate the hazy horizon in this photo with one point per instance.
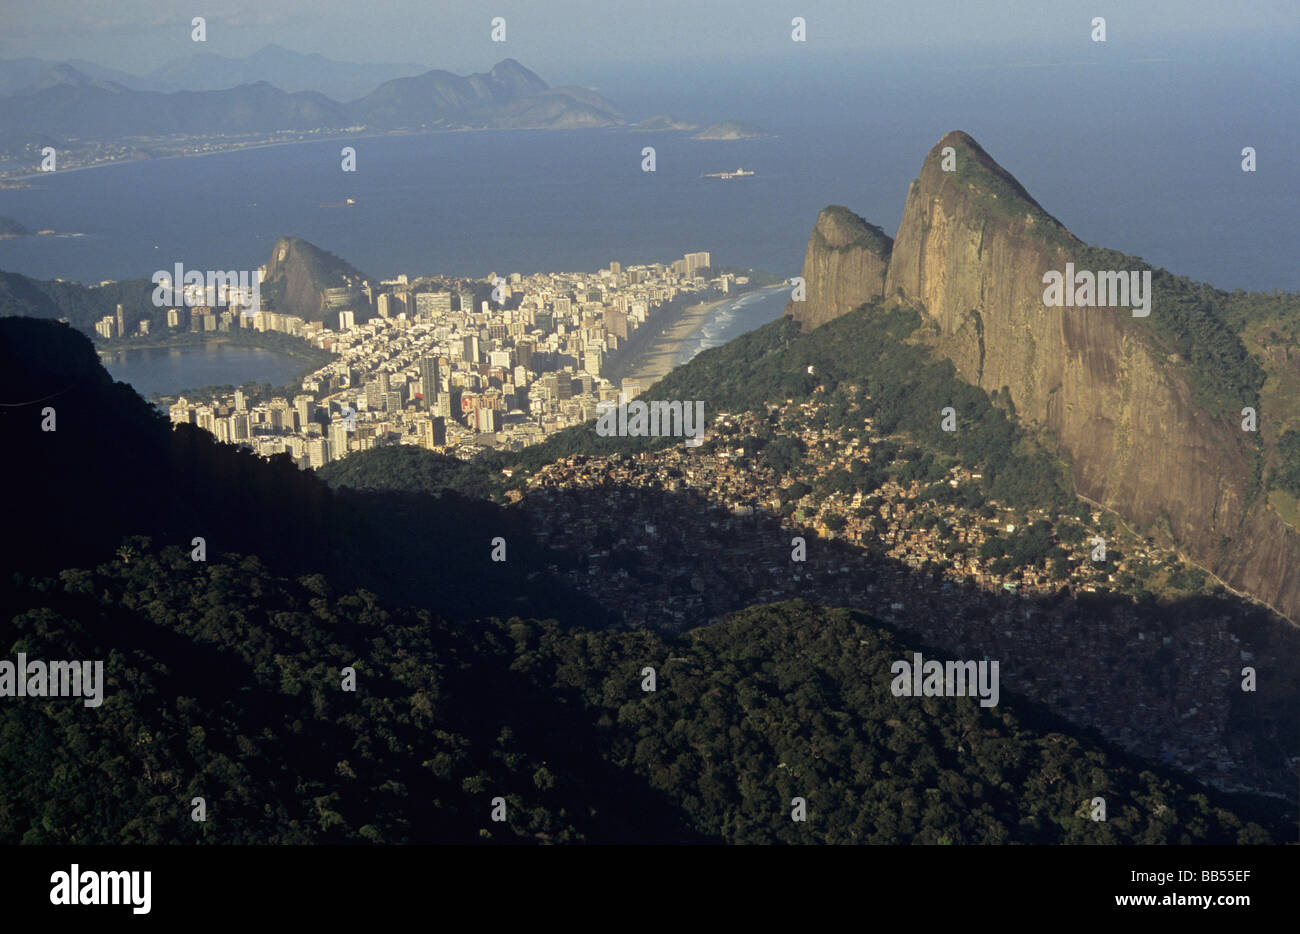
(137, 36)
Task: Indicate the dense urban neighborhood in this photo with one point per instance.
(450, 365)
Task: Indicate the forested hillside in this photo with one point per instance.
(115, 467)
(225, 682)
(81, 305)
(415, 470)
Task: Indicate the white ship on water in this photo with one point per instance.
(739, 173)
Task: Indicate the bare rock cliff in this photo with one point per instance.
(970, 253)
(845, 266)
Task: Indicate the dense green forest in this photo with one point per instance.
(415, 470)
(225, 674)
(225, 682)
(1288, 475)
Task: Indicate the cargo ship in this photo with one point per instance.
(739, 173)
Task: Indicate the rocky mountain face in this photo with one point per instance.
(971, 253)
(301, 279)
(69, 104)
(845, 266)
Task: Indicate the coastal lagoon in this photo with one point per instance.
(170, 370)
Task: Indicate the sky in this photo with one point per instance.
(551, 37)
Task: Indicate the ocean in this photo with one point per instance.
(728, 321)
(1131, 146)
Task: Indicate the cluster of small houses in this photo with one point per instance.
(718, 545)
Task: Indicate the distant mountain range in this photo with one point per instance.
(70, 104)
(288, 70)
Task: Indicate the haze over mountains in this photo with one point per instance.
(205, 71)
(67, 103)
(1148, 412)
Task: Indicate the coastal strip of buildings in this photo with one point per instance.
(456, 366)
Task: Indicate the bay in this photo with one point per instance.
(1133, 147)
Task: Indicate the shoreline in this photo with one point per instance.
(655, 361)
(5, 179)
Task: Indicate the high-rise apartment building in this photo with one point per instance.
(304, 407)
(696, 261)
(181, 413)
(376, 389)
(469, 348)
(338, 439)
(432, 304)
(430, 382)
(318, 453)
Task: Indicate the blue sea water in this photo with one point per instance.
(1131, 146)
(1135, 148)
(728, 321)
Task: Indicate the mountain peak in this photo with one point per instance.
(518, 78)
(61, 75)
(840, 228)
(845, 266)
(304, 280)
(970, 173)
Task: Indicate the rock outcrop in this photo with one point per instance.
(970, 254)
(304, 280)
(844, 267)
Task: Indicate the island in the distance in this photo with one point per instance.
(10, 229)
(665, 122)
(731, 129)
